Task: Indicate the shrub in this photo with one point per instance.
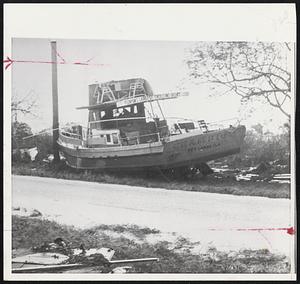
(44, 145)
(261, 147)
(20, 130)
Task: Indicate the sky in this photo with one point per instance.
(159, 62)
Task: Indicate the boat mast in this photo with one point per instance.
(55, 124)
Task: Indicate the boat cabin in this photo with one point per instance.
(118, 114)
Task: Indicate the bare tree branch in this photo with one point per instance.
(287, 45)
(250, 70)
(26, 105)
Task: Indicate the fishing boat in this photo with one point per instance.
(127, 129)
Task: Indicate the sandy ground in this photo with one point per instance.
(190, 214)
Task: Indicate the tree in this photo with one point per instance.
(258, 128)
(19, 130)
(24, 105)
(255, 70)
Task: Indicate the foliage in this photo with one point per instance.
(44, 145)
(29, 232)
(23, 105)
(260, 146)
(19, 130)
(251, 70)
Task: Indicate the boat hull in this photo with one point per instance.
(182, 150)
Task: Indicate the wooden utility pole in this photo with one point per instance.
(55, 124)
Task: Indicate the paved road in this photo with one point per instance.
(191, 214)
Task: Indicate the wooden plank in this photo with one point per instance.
(45, 258)
(76, 265)
(46, 268)
(108, 253)
(134, 260)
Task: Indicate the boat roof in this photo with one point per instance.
(121, 93)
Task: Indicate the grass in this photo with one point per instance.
(156, 179)
(174, 258)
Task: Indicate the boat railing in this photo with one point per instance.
(70, 134)
(153, 137)
(134, 139)
(118, 119)
(205, 126)
(71, 138)
(221, 124)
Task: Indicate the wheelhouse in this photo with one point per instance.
(118, 115)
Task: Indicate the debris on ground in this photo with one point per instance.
(32, 153)
(261, 168)
(58, 255)
(121, 269)
(25, 154)
(49, 159)
(26, 212)
(204, 169)
(58, 245)
(281, 178)
(263, 172)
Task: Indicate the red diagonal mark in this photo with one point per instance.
(290, 230)
(6, 66)
(90, 59)
(63, 60)
(265, 239)
(9, 62)
(80, 63)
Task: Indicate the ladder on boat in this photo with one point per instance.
(105, 91)
(137, 86)
(203, 126)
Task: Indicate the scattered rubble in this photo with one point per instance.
(25, 155)
(281, 178)
(33, 153)
(20, 211)
(267, 172)
(49, 159)
(58, 255)
(121, 270)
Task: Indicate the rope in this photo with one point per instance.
(39, 133)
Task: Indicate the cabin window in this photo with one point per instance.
(96, 94)
(115, 113)
(115, 138)
(108, 140)
(135, 110)
(94, 116)
(117, 86)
